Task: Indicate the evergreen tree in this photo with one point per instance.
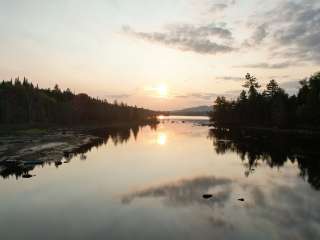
(273, 108)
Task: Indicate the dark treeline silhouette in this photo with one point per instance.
(273, 149)
(23, 103)
(272, 107)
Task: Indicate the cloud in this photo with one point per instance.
(293, 27)
(184, 192)
(229, 78)
(212, 96)
(288, 31)
(291, 87)
(290, 84)
(118, 96)
(219, 7)
(264, 65)
(279, 76)
(258, 36)
(187, 30)
(188, 37)
(302, 33)
(201, 96)
(231, 93)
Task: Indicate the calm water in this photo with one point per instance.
(148, 184)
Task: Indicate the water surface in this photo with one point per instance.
(148, 184)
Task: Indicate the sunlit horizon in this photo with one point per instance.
(187, 52)
(147, 119)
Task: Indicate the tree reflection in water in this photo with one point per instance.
(118, 135)
(273, 149)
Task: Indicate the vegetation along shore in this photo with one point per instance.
(46, 125)
(271, 109)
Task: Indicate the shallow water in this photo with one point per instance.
(148, 184)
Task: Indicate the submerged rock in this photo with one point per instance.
(27, 175)
(58, 163)
(207, 196)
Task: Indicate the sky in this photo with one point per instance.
(161, 55)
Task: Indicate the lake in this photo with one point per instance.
(148, 183)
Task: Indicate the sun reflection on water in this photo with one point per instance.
(162, 138)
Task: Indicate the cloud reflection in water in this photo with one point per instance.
(185, 192)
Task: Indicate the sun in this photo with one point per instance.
(162, 90)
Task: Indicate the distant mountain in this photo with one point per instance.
(193, 111)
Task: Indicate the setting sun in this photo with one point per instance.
(162, 90)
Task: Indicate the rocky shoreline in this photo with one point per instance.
(33, 148)
(21, 149)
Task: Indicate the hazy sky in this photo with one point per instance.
(159, 54)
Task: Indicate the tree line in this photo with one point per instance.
(23, 103)
(272, 107)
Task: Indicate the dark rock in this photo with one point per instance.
(58, 163)
(241, 199)
(27, 175)
(207, 196)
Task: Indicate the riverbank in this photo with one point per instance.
(22, 145)
(39, 145)
(308, 133)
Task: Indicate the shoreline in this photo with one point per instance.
(22, 147)
(302, 132)
(16, 128)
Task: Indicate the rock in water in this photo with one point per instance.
(207, 196)
(27, 175)
(58, 163)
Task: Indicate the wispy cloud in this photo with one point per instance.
(265, 65)
(201, 96)
(118, 96)
(279, 76)
(292, 28)
(209, 96)
(291, 86)
(186, 37)
(219, 7)
(259, 34)
(301, 32)
(230, 78)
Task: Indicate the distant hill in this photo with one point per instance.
(193, 111)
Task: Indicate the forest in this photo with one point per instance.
(23, 103)
(272, 107)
